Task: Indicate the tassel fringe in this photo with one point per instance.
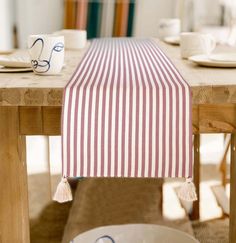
(63, 192)
(187, 192)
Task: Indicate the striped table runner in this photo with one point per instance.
(126, 113)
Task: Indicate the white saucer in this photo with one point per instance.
(6, 52)
(173, 40)
(14, 70)
(15, 60)
(223, 57)
(204, 60)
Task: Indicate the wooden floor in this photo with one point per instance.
(212, 231)
(47, 218)
(48, 225)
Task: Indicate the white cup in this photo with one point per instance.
(169, 27)
(74, 39)
(46, 53)
(192, 43)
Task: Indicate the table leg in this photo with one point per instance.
(195, 214)
(232, 221)
(14, 216)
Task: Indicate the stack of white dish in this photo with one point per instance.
(18, 62)
(215, 60)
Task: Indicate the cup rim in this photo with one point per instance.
(70, 30)
(170, 19)
(193, 34)
(48, 36)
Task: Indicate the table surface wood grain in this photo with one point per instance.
(208, 85)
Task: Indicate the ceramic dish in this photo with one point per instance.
(6, 52)
(204, 60)
(173, 40)
(14, 70)
(134, 233)
(15, 61)
(223, 57)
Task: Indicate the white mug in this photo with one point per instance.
(74, 39)
(192, 43)
(168, 27)
(46, 53)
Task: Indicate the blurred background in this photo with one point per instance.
(105, 18)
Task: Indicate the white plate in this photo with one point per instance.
(223, 57)
(204, 60)
(134, 233)
(173, 40)
(6, 52)
(14, 70)
(15, 60)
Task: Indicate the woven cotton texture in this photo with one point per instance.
(126, 113)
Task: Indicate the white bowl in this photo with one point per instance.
(134, 233)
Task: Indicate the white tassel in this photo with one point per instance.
(63, 192)
(187, 192)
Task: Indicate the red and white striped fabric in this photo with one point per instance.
(126, 113)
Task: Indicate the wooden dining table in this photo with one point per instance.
(31, 105)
